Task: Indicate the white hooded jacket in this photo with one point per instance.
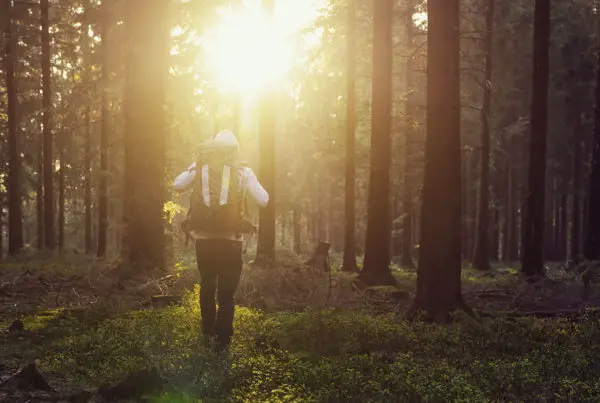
(224, 140)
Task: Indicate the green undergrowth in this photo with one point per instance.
(498, 277)
(321, 356)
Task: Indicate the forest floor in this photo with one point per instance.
(301, 335)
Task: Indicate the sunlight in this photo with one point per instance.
(246, 51)
(420, 20)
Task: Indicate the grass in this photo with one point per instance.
(318, 354)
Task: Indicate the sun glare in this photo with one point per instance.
(246, 51)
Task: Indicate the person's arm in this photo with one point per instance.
(185, 179)
(254, 188)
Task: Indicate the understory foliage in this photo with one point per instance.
(323, 355)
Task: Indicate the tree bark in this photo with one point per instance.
(61, 203)
(407, 204)
(376, 269)
(439, 271)
(496, 233)
(534, 210)
(104, 130)
(563, 228)
(148, 31)
(575, 253)
(514, 197)
(549, 220)
(349, 259)
(15, 213)
(265, 249)
(464, 202)
(39, 195)
(591, 247)
(48, 164)
(481, 255)
(87, 175)
(297, 230)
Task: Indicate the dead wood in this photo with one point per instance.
(163, 301)
(154, 282)
(27, 378)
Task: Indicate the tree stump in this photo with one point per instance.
(320, 258)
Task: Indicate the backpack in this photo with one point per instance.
(218, 199)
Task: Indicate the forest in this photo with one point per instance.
(430, 235)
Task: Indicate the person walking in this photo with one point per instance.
(220, 184)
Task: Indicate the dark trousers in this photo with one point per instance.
(220, 266)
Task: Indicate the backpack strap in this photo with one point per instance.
(205, 184)
(229, 175)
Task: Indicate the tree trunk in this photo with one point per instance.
(534, 209)
(564, 228)
(2, 225)
(464, 202)
(87, 175)
(349, 260)
(104, 130)
(39, 195)
(591, 247)
(439, 272)
(496, 232)
(15, 214)
(147, 27)
(283, 223)
(61, 204)
(48, 164)
(265, 249)
(320, 208)
(514, 197)
(576, 195)
(481, 255)
(509, 209)
(407, 204)
(549, 220)
(297, 230)
(376, 269)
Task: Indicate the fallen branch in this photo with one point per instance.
(154, 282)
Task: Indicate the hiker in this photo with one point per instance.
(216, 221)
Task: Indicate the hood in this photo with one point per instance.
(225, 139)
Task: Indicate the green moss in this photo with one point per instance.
(41, 319)
(316, 356)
